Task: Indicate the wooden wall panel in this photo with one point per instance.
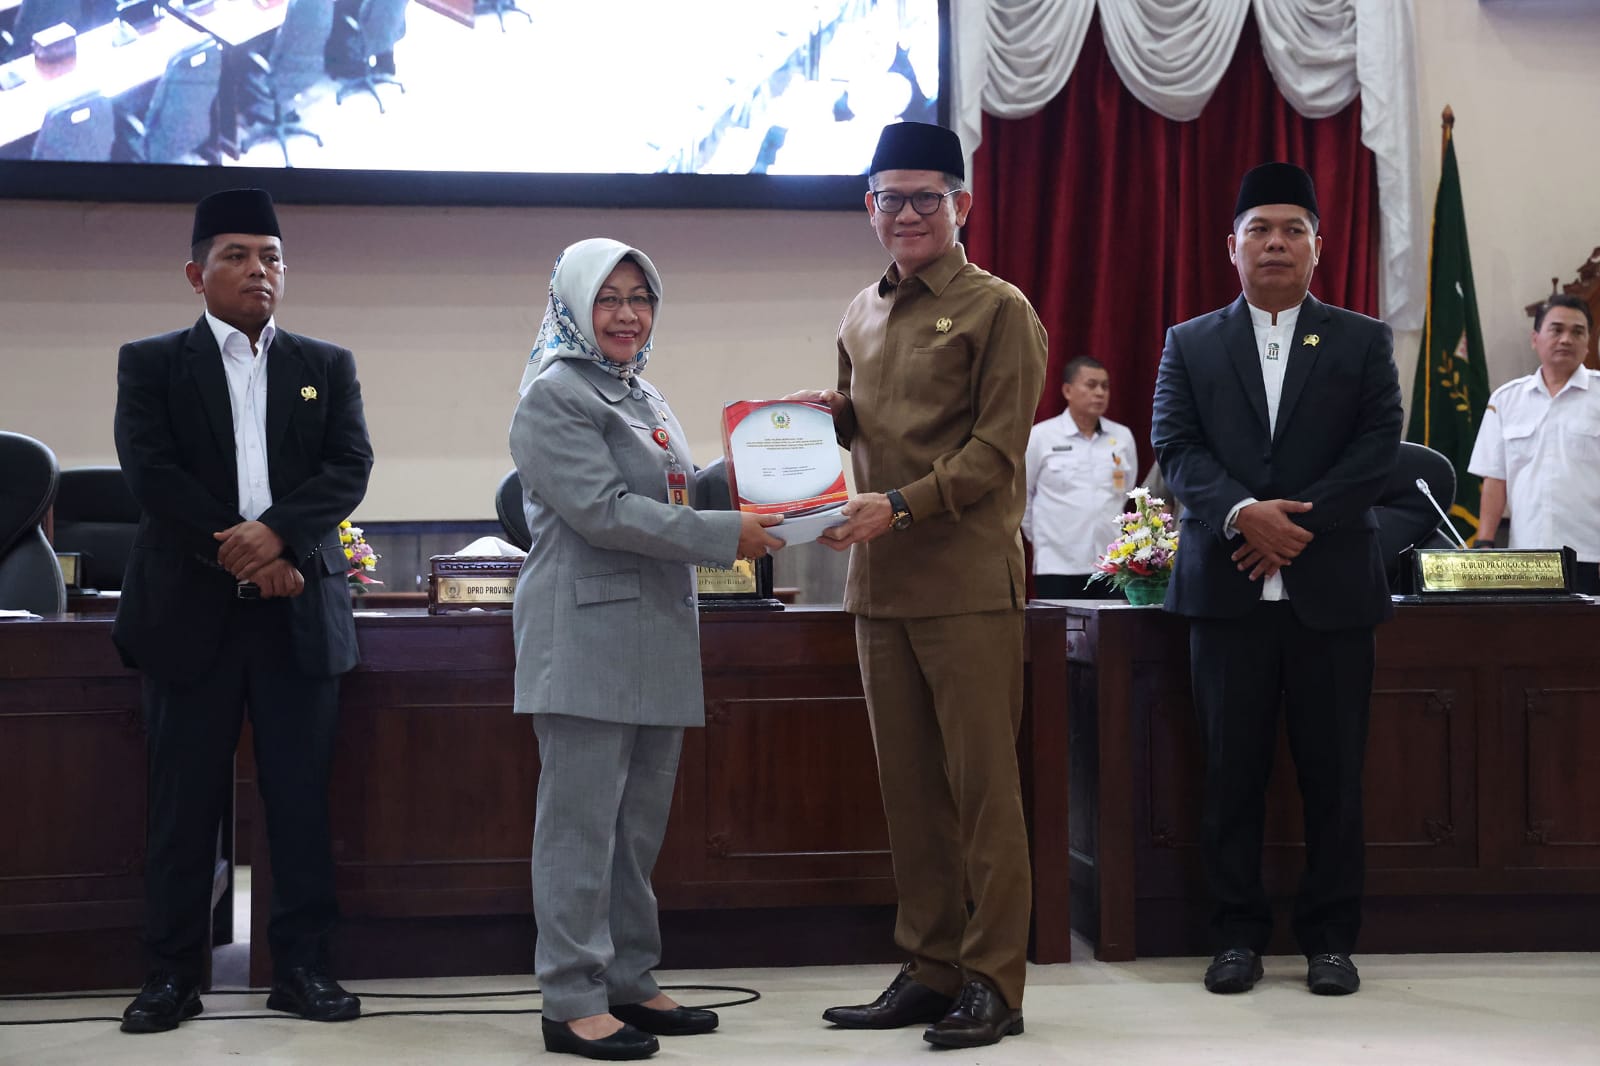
(1552, 719)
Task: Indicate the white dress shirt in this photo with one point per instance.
(247, 392)
(1547, 451)
(1274, 345)
(1077, 486)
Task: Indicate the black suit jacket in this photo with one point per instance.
(1338, 431)
(174, 433)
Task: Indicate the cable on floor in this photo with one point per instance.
(743, 996)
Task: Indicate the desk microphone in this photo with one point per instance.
(1422, 486)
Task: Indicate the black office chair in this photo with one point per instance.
(711, 491)
(36, 15)
(30, 577)
(80, 131)
(508, 505)
(293, 65)
(178, 126)
(1405, 517)
(500, 9)
(379, 26)
(96, 516)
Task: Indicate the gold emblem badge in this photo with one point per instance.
(943, 325)
(1311, 339)
(308, 393)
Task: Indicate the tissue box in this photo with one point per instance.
(53, 44)
(462, 582)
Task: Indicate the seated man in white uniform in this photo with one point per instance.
(1081, 466)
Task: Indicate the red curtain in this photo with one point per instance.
(1114, 221)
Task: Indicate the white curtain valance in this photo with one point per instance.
(1011, 57)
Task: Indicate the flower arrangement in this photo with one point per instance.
(363, 560)
(1139, 562)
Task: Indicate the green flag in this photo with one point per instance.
(1452, 383)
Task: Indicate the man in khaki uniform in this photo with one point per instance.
(940, 370)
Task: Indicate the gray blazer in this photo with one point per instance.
(606, 621)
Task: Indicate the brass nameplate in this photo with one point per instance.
(71, 569)
(736, 580)
(1450, 570)
(464, 582)
(476, 590)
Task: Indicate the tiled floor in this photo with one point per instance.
(1413, 1010)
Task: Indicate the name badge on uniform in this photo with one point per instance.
(677, 478)
(1061, 448)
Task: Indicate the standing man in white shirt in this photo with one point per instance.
(245, 446)
(1080, 466)
(1538, 446)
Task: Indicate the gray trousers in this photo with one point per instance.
(605, 790)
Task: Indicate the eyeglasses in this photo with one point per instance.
(923, 203)
(638, 303)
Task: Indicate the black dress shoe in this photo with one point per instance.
(1233, 970)
(1332, 974)
(905, 1002)
(313, 995)
(980, 1017)
(624, 1044)
(678, 1021)
(165, 1000)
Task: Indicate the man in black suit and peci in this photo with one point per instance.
(245, 446)
(1276, 423)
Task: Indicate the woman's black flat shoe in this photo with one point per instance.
(624, 1044)
(679, 1021)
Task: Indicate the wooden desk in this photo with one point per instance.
(235, 23)
(101, 66)
(776, 851)
(72, 781)
(1482, 784)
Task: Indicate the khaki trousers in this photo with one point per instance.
(945, 698)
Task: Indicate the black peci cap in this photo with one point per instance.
(235, 211)
(1276, 183)
(918, 146)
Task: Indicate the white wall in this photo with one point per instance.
(1523, 79)
(441, 305)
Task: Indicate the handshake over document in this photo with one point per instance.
(783, 459)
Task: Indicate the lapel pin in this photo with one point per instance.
(308, 393)
(1311, 339)
(943, 325)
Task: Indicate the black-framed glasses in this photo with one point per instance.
(638, 302)
(923, 203)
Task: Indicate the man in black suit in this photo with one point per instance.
(245, 446)
(1277, 421)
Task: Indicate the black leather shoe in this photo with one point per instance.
(1233, 970)
(1332, 974)
(165, 1000)
(624, 1044)
(980, 1017)
(905, 1002)
(313, 995)
(678, 1021)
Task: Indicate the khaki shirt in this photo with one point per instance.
(943, 371)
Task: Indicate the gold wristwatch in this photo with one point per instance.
(899, 514)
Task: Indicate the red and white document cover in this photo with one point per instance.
(783, 458)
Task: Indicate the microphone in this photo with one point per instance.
(1422, 486)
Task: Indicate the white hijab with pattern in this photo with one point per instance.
(567, 331)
